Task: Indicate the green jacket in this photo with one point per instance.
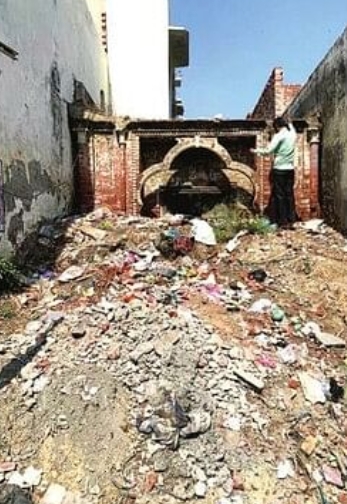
(282, 146)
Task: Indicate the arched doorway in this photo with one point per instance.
(194, 176)
(197, 182)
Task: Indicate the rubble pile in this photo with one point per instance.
(149, 364)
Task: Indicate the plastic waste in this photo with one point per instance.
(261, 306)
(203, 232)
(259, 275)
(277, 314)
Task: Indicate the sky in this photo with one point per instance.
(235, 44)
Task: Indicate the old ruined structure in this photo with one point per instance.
(148, 167)
(61, 147)
(181, 166)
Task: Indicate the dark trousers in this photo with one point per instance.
(283, 196)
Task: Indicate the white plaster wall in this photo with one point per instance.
(44, 31)
(138, 48)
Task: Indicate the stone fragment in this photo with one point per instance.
(30, 371)
(200, 489)
(140, 350)
(251, 380)
(55, 494)
(309, 445)
(332, 476)
(151, 480)
(285, 469)
(71, 273)
(78, 332)
(329, 340)
(32, 476)
(114, 353)
(312, 388)
(7, 466)
(92, 232)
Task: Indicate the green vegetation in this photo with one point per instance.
(7, 310)
(106, 225)
(229, 219)
(9, 275)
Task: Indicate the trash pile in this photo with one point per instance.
(150, 364)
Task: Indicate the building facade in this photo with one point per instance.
(57, 46)
(144, 52)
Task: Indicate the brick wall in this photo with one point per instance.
(275, 97)
(109, 172)
(99, 173)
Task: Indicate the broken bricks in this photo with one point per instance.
(140, 329)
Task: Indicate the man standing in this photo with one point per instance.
(282, 148)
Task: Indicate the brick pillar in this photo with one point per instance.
(120, 169)
(132, 175)
(314, 141)
(262, 174)
(83, 174)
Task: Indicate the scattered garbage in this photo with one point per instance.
(259, 275)
(181, 362)
(285, 469)
(203, 232)
(168, 421)
(313, 389)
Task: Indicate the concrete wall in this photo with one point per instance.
(325, 93)
(138, 48)
(57, 43)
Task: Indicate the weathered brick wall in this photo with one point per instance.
(306, 185)
(110, 174)
(100, 173)
(275, 97)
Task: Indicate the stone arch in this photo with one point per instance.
(208, 143)
(239, 174)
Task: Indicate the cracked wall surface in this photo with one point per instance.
(57, 44)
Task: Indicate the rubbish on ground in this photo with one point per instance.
(329, 340)
(285, 469)
(313, 225)
(334, 391)
(250, 379)
(203, 232)
(277, 314)
(312, 388)
(12, 494)
(266, 361)
(332, 476)
(310, 329)
(71, 273)
(259, 275)
(309, 445)
(261, 306)
(235, 241)
(168, 421)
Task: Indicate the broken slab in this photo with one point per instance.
(329, 340)
(92, 232)
(250, 379)
(312, 388)
(309, 445)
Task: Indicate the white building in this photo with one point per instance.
(144, 52)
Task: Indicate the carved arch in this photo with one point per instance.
(164, 172)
